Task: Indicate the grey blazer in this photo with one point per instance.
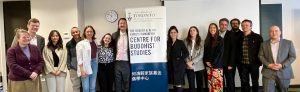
(197, 57)
(286, 56)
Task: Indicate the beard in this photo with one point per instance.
(235, 28)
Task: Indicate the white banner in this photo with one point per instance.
(148, 48)
(147, 34)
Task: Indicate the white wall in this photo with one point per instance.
(289, 31)
(80, 7)
(56, 14)
(94, 11)
(186, 13)
(2, 48)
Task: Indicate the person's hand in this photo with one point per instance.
(33, 75)
(53, 73)
(189, 65)
(278, 66)
(271, 66)
(83, 74)
(229, 67)
(57, 73)
(275, 67)
(208, 64)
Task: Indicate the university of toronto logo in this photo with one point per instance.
(129, 17)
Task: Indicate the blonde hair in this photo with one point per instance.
(18, 32)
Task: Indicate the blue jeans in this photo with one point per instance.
(89, 82)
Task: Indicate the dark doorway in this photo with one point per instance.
(16, 14)
(270, 14)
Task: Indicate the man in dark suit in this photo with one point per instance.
(277, 55)
(232, 56)
(229, 72)
(249, 63)
(122, 60)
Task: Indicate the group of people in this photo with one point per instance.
(213, 63)
(204, 62)
(28, 58)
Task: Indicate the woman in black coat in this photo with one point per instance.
(177, 54)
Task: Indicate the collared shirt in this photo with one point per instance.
(33, 40)
(275, 47)
(222, 34)
(122, 47)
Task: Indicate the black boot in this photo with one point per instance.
(193, 90)
(179, 89)
(174, 89)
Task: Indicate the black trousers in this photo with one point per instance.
(122, 76)
(229, 79)
(106, 76)
(244, 71)
(198, 75)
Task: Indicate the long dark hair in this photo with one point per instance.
(212, 40)
(94, 32)
(111, 42)
(189, 38)
(169, 37)
(59, 44)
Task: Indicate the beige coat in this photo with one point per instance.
(49, 63)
